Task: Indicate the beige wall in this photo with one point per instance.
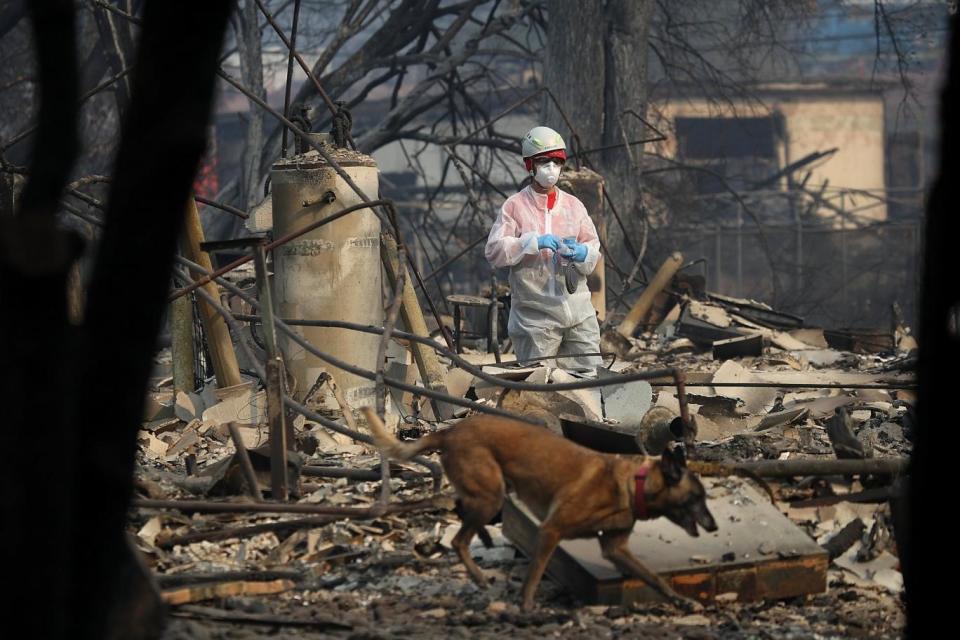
(813, 122)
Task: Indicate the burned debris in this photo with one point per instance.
(439, 331)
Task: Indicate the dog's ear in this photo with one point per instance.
(680, 455)
(672, 464)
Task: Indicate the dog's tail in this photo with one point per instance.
(393, 448)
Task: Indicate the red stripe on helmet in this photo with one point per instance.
(556, 153)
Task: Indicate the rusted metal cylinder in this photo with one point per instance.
(659, 427)
(331, 273)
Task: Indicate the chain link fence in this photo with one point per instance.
(831, 276)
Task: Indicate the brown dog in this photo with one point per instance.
(574, 491)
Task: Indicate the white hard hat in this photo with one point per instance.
(541, 140)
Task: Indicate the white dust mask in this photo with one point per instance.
(547, 174)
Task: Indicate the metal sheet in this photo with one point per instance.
(757, 553)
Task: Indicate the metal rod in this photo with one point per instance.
(261, 372)
(789, 468)
(279, 242)
(352, 474)
(278, 432)
(222, 206)
(381, 394)
(426, 391)
(449, 261)
(391, 218)
(316, 146)
(265, 297)
(798, 385)
(209, 506)
(286, 94)
(253, 487)
(293, 52)
(513, 384)
(275, 412)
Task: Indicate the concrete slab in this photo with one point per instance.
(755, 399)
(757, 553)
(626, 403)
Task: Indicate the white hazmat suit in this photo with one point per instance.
(545, 320)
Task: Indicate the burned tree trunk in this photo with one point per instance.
(573, 70)
(117, 43)
(625, 103)
(247, 30)
(596, 66)
(928, 605)
(63, 534)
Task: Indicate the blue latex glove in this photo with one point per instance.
(548, 241)
(574, 250)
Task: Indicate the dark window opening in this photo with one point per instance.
(734, 153)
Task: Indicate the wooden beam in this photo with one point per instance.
(218, 336)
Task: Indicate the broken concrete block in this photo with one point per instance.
(189, 437)
(881, 571)
(158, 406)
(874, 395)
(152, 445)
(812, 337)
(709, 313)
(701, 331)
(210, 394)
(162, 425)
(787, 342)
(707, 429)
(253, 437)
(149, 531)
(755, 399)
(779, 418)
(821, 357)
(242, 406)
(626, 403)
(821, 407)
(589, 399)
(669, 324)
(189, 406)
(668, 400)
(458, 382)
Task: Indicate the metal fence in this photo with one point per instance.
(834, 277)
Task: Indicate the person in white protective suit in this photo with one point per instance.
(546, 238)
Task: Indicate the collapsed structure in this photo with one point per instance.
(749, 390)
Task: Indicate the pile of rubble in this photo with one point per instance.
(379, 575)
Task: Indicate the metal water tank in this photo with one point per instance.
(330, 273)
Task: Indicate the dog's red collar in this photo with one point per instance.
(640, 495)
